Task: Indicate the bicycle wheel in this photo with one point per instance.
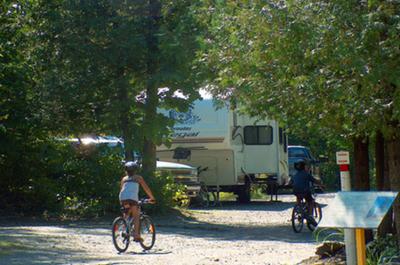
(212, 198)
(316, 215)
(147, 232)
(297, 218)
(203, 197)
(120, 234)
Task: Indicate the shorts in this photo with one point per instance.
(307, 196)
(129, 203)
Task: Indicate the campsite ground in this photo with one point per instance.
(255, 233)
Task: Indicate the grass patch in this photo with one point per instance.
(256, 193)
(227, 196)
(7, 247)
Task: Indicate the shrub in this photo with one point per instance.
(382, 251)
(54, 178)
(167, 193)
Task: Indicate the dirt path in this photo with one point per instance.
(257, 233)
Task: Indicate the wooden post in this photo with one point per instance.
(360, 244)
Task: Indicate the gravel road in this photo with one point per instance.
(255, 233)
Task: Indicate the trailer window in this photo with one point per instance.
(258, 135)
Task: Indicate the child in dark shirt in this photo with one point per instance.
(302, 182)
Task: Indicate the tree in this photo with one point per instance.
(330, 66)
(107, 66)
(19, 127)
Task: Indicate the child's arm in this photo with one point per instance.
(122, 183)
(146, 188)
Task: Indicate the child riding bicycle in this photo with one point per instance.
(302, 183)
(129, 195)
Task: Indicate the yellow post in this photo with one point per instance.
(360, 245)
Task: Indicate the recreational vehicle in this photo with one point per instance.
(235, 150)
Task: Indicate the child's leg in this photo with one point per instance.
(310, 203)
(136, 220)
(126, 211)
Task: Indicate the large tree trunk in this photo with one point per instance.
(393, 145)
(361, 164)
(383, 182)
(124, 118)
(379, 161)
(361, 171)
(150, 126)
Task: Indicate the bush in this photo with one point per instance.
(330, 175)
(382, 251)
(167, 193)
(56, 178)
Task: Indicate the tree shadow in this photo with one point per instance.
(252, 206)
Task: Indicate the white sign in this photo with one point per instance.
(362, 209)
(343, 158)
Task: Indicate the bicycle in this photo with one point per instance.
(123, 229)
(205, 197)
(300, 213)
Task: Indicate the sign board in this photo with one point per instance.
(357, 209)
(343, 158)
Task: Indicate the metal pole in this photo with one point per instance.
(349, 236)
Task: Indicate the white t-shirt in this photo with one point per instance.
(130, 189)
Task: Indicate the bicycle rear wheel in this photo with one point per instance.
(120, 234)
(297, 218)
(147, 232)
(212, 198)
(203, 197)
(316, 215)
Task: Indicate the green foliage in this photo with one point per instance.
(54, 176)
(167, 193)
(308, 64)
(76, 68)
(20, 127)
(102, 66)
(59, 178)
(330, 175)
(10, 247)
(329, 234)
(91, 181)
(180, 198)
(382, 251)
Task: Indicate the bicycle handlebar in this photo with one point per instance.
(199, 170)
(146, 201)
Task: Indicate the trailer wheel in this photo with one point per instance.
(244, 193)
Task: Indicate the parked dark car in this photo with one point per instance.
(296, 152)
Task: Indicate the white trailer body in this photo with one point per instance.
(236, 150)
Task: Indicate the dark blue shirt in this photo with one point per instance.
(302, 182)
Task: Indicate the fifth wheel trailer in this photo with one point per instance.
(236, 150)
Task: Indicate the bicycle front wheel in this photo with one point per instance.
(147, 232)
(316, 215)
(297, 219)
(120, 234)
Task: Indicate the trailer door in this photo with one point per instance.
(260, 152)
